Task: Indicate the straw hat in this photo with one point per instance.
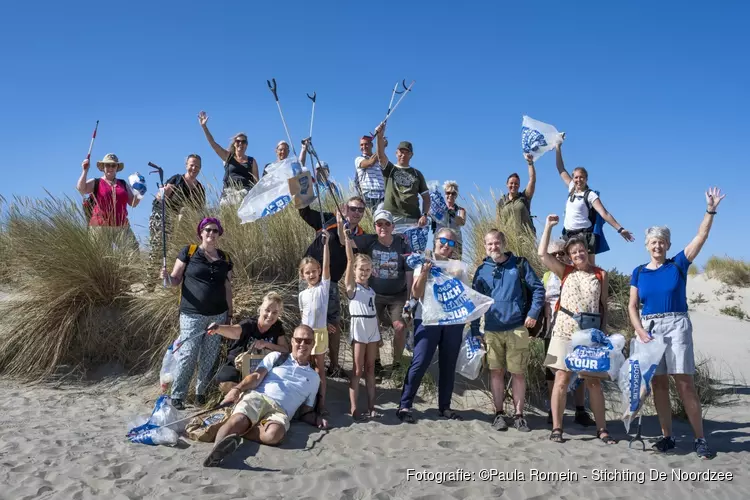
(110, 158)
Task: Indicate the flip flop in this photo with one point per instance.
(375, 414)
(221, 450)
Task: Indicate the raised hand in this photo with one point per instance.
(380, 128)
(553, 220)
(529, 158)
(326, 236)
(202, 118)
(85, 165)
(713, 198)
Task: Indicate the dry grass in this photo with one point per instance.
(693, 270)
(730, 271)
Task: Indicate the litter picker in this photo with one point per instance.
(160, 171)
(637, 436)
(274, 90)
(91, 146)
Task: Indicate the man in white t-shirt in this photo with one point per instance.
(369, 176)
(268, 398)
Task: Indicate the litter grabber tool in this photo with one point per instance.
(158, 170)
(637, 437)
(274, 89)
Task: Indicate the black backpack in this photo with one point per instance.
(541, 323)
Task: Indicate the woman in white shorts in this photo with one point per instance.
(661, 288)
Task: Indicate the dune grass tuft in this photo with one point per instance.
(729, 271)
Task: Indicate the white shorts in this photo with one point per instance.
(365, 330)
(677, 332)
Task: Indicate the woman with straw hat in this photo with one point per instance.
(111, 196)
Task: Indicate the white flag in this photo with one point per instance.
(537, 138)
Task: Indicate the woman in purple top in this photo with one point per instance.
(660, 286)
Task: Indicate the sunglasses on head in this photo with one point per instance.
(446, 241)
(210, 230)
(240, 141)
(383, 223)
(356, 209)
(298, 340)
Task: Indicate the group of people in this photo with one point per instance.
(383, 291)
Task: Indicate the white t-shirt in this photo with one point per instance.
(576, 213)
(370, 180)
(313, 304)
(289, 384)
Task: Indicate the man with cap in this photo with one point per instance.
(353, 210)
(391, 278)
(369, 174)
(403, 184)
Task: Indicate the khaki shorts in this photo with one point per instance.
(261, 410)
(508, 350)
(390, 308)
(321, 341)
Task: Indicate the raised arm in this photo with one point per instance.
(83, 186)
(561, 166)
(326, 256)
(303, 151)
(460, 218)
(531, 186)
(203, 120)
(549, 261)
(380, 144)
(418, 285)
(713, 198)
(599, 207)
(349, 281)
(366, 162)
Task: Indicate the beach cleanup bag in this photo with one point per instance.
(415, 236)
(538, 137)
(636, 373)
(594, 354)
(470, 357)
(155, 430)
(438, 205)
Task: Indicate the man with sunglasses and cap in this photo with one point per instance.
(353, 210)
(369, 174)
(267, 399)
(391, 278)
(404, 184)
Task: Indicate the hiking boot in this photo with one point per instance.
(664, 444)
(178, 404)
(583, 418)
(702, 450)
(200, 400)
(520, 424)
(499, 423)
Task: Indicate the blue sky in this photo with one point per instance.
(653, 95)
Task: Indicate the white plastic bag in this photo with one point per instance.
(416, 237)
(593, 353)
(635, 376)
(470, 357)
(448, 300)
(537, 137)
(438, 205)
(138, 183)
(158, 429)
(168, 365)
(271, 194)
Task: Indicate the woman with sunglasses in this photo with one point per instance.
(581, 210)
(240, 170)
(454, 219)
(204, 273)
(427, 338)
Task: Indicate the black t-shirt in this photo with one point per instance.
(241, 173)
(203, 283)
(182, 195)
(250, 332)
(388, 263)
(335, 246)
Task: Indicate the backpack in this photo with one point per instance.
(668, 261)
(89, 202)
(191, 250)
(593, 214)
(541, 323)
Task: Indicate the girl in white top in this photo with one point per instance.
(313, 306)
(577, 222)
(364, 328)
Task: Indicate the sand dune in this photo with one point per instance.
(68, 442)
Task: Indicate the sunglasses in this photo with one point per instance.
(446, 241)
(558, 254)
(383, 223)
(356, 209)
(240, 141)
(210, 230)
(298, 341)
(451, 193)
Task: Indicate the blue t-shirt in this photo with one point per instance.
(663, 290)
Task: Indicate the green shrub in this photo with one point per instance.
(735, 311)
(730, 271)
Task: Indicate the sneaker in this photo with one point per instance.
(583, 418)
(664, 444)
(499, 423)
(549, 417)
(520, 424)
(178, 404)
(702, 449)
(378, 367)
(200, 400)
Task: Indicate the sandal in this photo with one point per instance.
(405, 415)
(374, 413)
(358, 417)
(607, 439)
(557, 435)
(450, 414)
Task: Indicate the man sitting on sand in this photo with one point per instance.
(269, 398)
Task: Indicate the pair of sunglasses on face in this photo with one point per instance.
(383, 223)
(356, 209)
(451, 193)
(210, 230)
(240, 141)
(298, 341)
(558, 254)
(446, 241)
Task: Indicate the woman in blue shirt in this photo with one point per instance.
(660, 286)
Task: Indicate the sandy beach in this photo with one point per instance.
(68, 441)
